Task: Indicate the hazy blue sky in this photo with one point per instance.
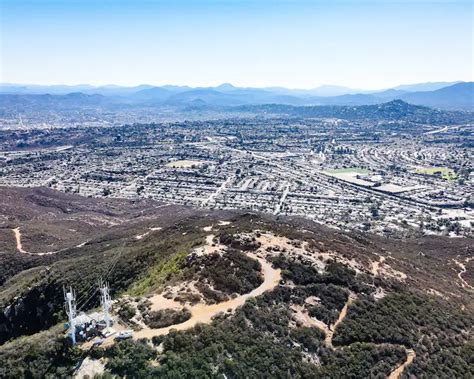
(364, 44)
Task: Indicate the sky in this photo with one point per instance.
(366, 44)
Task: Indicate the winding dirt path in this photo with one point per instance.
(342, 316)
(19, 246)
(395, 374)
(203, 313)
(463, 268)
(16, 231)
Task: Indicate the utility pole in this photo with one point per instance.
(105, 301)
(70, 301)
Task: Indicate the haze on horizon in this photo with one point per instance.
(299, 44)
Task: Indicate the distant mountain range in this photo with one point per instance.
(444, 95)
(458, 96)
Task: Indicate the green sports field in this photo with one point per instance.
(446, 173)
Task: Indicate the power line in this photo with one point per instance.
(106, 276)
(86, 293)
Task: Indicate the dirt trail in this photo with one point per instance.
(203, 313)
(463, 268)
(395, 374)
(342, 316)
(19, 246)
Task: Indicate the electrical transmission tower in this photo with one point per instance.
(70, 301)
(106, 302)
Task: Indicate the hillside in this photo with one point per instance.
(249, 295)
(395, 110)
(457, 96)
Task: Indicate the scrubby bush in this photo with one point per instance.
(232, 272)
(309, 337)
(46, 354)
(130, 359)
(126, 311)
(166, 317)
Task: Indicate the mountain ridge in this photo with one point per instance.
(459, 96)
